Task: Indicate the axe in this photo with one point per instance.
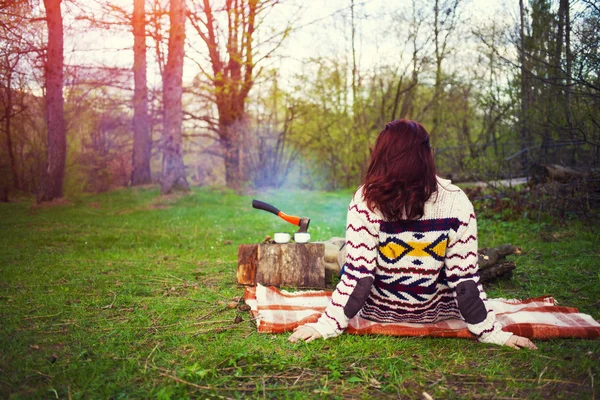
(302, 222)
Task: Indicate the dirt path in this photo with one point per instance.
(503, 182)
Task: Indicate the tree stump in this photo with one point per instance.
(289, 264)
(314, 265)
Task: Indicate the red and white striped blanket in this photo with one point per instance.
(278, 311)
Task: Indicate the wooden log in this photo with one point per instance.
(500, 270)
(490, 257)
(541, 173)
(289, 264)
(334, 258)
(493, 263)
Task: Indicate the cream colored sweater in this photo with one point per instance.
(408, 271)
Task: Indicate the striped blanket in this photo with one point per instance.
(278, 311)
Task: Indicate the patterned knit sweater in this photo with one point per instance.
(409, 271)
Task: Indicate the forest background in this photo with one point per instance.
(252, 94)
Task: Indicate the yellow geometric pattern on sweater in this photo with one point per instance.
(396, 249)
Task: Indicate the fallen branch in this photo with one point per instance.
(266, 376)
(43, 316)
(218, 329)
(242, 366)
(150, 355)
(173, 276)
(542, 374)
(218, 309)
(299, 376)
(113, 302)
(176, 379)
(210, 322)
(42, 374)
(538, 380)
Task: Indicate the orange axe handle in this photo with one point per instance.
(261, 205)
(289, 218)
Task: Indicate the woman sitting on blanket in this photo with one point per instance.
(411, 240)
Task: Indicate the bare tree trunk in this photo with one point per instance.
(232, 76)
(443, 26)
(569, 58)
(4, 168)
(233, 173)
(8, 107)
(406, 111)
(523, 115)
(173, 170)
(491, 125)
(52, 181)
(142, 142)
(438, 69)
(354, 68)
(559, 42)
(465, 128)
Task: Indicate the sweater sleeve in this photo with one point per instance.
(462, 275)
(362, 234)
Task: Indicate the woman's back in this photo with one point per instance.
(411, 242)
(411, 282)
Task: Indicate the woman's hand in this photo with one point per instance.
(519, 342)
(304, 332)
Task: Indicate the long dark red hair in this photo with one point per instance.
(401, 175)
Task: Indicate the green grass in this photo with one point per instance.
(130, 295)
